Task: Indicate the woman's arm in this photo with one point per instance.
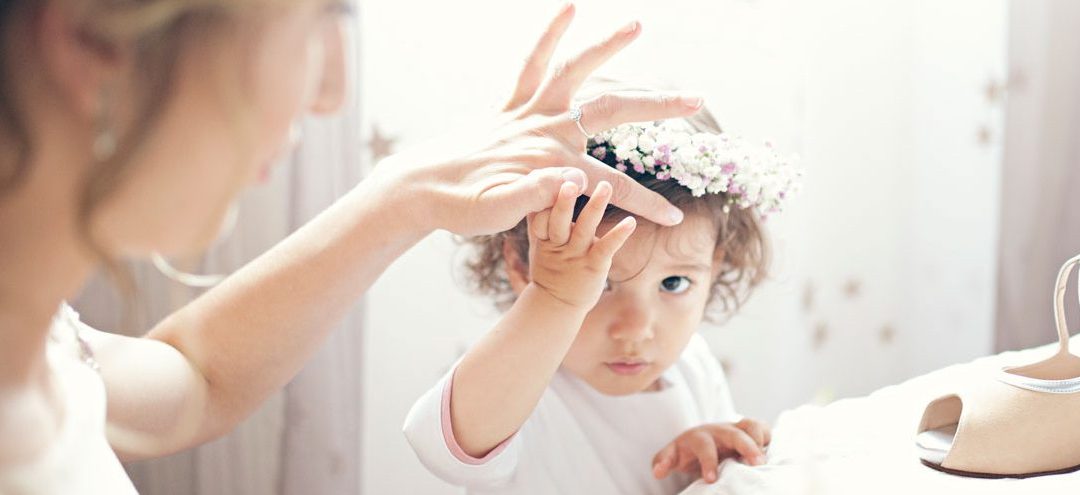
(210, 364)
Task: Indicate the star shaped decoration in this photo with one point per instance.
(993, 91)
(983, 135)
(381, 146)
(852, 288)
(808, 296)
(821, 334)
(887, 334)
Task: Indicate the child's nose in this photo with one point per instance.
(632, 323)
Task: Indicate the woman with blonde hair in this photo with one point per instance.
(127, 127)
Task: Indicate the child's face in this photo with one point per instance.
(659, 285)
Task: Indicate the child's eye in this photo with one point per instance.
(675, 285)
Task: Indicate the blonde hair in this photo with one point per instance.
(155, 30)
(741, 243)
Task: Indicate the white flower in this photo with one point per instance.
(646, 143)
(623, 153)
(751, 175)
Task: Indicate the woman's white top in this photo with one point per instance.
(80, 459)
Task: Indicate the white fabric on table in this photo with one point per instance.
(866, 444)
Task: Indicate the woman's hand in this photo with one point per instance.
(487, 181)
(702, 448)
(566, 259)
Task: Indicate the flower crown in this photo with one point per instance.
(748, 175)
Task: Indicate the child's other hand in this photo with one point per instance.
(702, 448)
(566, 259)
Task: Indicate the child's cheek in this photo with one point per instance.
(681, 318)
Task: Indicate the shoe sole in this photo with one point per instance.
(970, 474)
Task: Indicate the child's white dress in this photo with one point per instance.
(80, 459)
(579, 440)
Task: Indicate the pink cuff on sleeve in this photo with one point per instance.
(448, 431)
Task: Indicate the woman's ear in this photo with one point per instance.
(517, 269)
(79, 63)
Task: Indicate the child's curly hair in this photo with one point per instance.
(741, 243)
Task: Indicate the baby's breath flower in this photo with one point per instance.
(751, 176)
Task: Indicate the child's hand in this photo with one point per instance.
(566, 259)
(704, 446)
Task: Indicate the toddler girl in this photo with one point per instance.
(595, 380)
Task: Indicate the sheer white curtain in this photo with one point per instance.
(1040, 221)
(307, 438)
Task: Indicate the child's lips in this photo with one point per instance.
(627, 367)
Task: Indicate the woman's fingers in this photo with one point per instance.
(557, 91)
(531, 193)
(627, 194)
(536, 64)
(610, 110)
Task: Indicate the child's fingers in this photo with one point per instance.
(663, 461)
(756, 430)
(588, 220)
(704, 449)
(614, 239)
(537, 224)
(686, 461)
(735, 439)
(562, 214)
(691, 465)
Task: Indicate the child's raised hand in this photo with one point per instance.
(566, 259)
(703, 447)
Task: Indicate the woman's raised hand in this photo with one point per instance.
(488, 181)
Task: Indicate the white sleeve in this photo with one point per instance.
(711, 381)
(429, 432)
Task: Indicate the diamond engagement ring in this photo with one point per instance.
(575, 115)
